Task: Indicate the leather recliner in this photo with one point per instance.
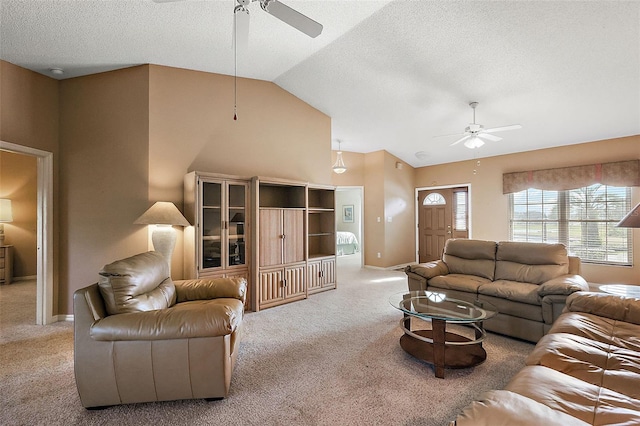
(140, 337)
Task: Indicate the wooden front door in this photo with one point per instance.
(442, 215)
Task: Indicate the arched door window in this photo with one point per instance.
(434, 199)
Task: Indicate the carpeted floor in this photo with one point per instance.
(333, 359)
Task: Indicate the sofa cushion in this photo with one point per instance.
(588, 402)
(530, 262)
(467, 283)
(470, 257)
(594, 362)
(201, 318)
(505, 408)
(511, 290)
(136, 284)
(514, 309)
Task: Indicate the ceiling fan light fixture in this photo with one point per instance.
(339, 166)
(474, 142)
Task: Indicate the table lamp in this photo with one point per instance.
(164, 215)
(6, 216)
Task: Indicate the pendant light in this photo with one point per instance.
(339, 166)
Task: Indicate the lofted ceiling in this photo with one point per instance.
(391, 74)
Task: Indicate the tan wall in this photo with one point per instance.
(399, 212)
(489, 207)
(18, 182)
(29, 117)
(388, 193)
(191, 127)
(373, 209)
(104, 138)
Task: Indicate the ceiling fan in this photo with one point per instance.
(273, 7)
(475, 133)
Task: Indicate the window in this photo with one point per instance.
(584, 219)
(434, 199)
(460, 204)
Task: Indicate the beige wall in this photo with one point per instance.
(388, 194)
(489, 207)
(399, 212)
(104, 141)
(191, 127)
(18, 182)
(29, 117)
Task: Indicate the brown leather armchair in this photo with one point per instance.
(140, 337)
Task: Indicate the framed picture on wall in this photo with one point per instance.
(347, 214)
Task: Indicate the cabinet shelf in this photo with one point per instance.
(320, 255)
(320, 210)
(321, 234)
(211, 207)
(211, 238)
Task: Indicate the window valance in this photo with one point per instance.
(619, 173)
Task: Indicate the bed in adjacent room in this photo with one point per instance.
(347, 243)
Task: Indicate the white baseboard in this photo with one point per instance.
(25, 278)
(63, 317)
(388, 268)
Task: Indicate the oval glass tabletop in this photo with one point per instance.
(437, 305)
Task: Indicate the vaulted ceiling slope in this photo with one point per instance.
(392, 75)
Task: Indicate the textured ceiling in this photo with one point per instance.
(390, 74)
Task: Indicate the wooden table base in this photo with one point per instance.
(439, 353)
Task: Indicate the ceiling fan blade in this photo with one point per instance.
(292, 17)
(489, 137)
(240, 36)
(503, 128)
(452, 134)
(461, 140)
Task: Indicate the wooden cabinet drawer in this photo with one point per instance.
(2, 262)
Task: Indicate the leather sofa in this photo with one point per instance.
(528, 283)
(140, 337)
(585, 371)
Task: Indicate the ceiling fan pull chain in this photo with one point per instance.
(235, 66)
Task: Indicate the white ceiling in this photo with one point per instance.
(390, 74)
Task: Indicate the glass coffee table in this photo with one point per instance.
(626, 290)
(438, 346)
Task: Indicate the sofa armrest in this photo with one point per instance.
(618, 308)
(213, 288)
(428, 270)
(563, 285)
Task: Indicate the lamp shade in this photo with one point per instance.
(632, 219)
(6, 213)
(238, 217)
(162, 213)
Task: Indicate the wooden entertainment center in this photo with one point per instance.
(278, 234)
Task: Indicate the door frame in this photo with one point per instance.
(417, 210)
(44, 252)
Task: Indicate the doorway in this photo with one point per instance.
(349, 202)
(44, 239)
(442, 213)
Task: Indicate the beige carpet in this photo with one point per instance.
(333, 359)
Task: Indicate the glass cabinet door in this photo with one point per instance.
(212, 225)
(237, 214)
